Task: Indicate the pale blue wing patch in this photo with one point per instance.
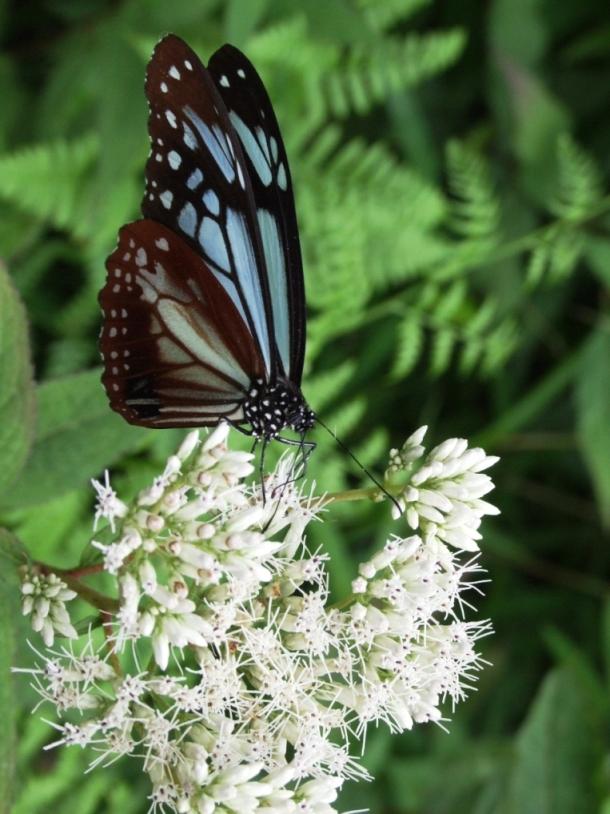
(259, 159)
(247, 274)
(194, 179)
(213, 243)
(213, 138)
(262, 151)
(211, 202)
(187, 220)
(276, 269)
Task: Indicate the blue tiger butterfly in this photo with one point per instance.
(204, 304)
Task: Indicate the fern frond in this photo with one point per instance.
(475, 210)
(499, 346)
(287, 45)
(579, 182)
(374, 74)
(46, 180)
(382, 16)
(334, 248)
(482, 318)
(409, 343)
(347, 417)
(324, 387)
(387, 182)
(443, 343)
(395, 209)
(451, 301)
(556, 256)
(537, 265)
(566, 252)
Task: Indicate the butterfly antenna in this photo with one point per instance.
(361, 466)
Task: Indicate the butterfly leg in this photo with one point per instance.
(305, 448)
(261, 470)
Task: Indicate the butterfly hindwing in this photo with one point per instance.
(197, 184)
(176, 350)
(254, 121)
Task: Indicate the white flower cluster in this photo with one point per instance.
(443, 493)
(256, 684)
(44, 596)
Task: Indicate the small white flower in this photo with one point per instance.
(107, 506)
(43, 598)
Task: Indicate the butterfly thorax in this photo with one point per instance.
(269, 408)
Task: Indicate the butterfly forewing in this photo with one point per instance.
(254, 121)
(197, 184)
(175, 348)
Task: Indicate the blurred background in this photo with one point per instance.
(450, 162)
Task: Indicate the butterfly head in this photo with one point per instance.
(302, 419)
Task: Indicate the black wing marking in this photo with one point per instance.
(254, 120)
(197, 184)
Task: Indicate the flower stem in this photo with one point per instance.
(350, 494)
(98, 600)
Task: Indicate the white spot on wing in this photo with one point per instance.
(241, 73)
(187, 220)
(174, 72)
(194, 179)
(224, 81)
(166, 198)
(164, 87)
(273, 143)
(188, 65)
(141, 257)
(171, 118)
(174, 159)
(189, 137)
(162, 244)
(281, 178)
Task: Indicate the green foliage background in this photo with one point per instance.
(451, 162)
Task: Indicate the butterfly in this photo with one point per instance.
(204, 304)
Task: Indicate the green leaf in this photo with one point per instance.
(557, 753)
(16, 384)
(605, 642)
(241, 19)
(9, 608)
(577, 663)
(77, 436)
(593, 414)
(11, 551)
(597, 253)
